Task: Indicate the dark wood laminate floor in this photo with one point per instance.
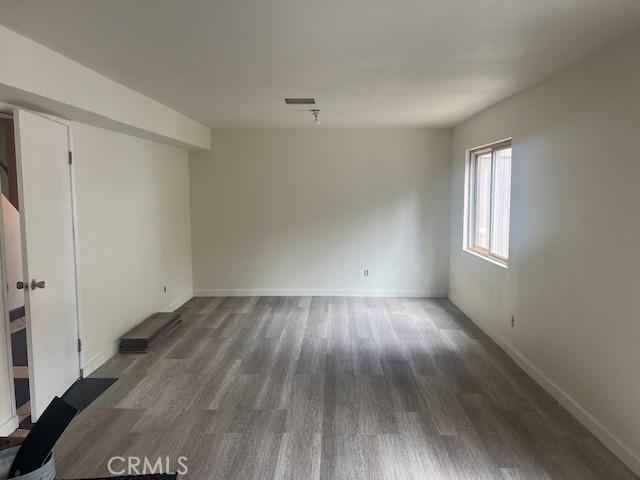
(331, 388)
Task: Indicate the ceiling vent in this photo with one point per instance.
(300, 101)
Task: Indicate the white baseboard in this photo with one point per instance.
(98, 360)
(302, 292)
(178, 302)
(9, 426)
(619, 448)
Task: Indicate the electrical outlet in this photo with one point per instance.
(366, 272)
(513, 321)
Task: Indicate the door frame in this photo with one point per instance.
(4, 110)
(7, 112)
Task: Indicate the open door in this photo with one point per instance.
(44, 185)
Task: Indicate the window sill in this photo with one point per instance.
(487, 258)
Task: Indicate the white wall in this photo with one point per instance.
(134, 233)
(305, 211)
(37, 77)
(573, 279)
(13, 253)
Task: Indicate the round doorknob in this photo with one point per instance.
(20, 285)
(35, 284)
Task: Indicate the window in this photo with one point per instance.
(488, 194)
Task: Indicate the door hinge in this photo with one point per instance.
(70, 157)
(79, 345)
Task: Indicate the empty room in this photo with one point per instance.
(328, 240)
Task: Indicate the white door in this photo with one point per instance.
(42, 148)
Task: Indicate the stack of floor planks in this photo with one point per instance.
(140, 338)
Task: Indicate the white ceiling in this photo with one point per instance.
(368, 62)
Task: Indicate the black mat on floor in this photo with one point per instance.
(37, 446)
(22, 391)
(19, 348)
(26, 424)
(86, 390)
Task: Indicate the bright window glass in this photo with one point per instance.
(483, 200)
(489, 201)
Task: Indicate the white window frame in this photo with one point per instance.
(469, 230)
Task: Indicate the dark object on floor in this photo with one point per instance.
(19, 348)
(45, 433)
(140, 338)
(22, 391)
(26, 423)
(86, 390)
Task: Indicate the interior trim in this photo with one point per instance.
(9, 426)
(312, 292)
(178, 302)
